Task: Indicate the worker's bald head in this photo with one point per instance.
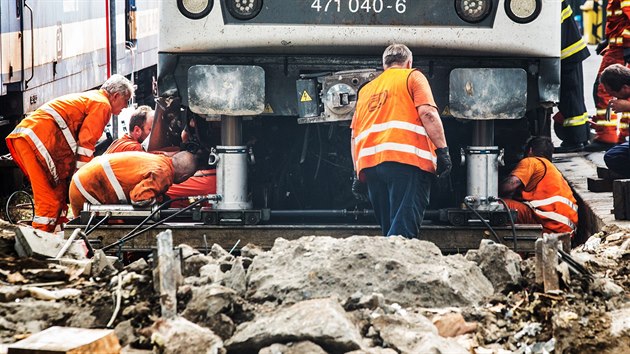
(185, 166)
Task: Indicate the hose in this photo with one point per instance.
(511, 223)
(496, 237)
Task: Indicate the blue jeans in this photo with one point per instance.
(399, 194)
(617, 159)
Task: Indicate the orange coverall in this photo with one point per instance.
(52, 142)
(121, 178)
(126, 143)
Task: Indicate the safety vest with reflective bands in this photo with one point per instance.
(618, 23)
(126, 143)
(552, 200)
(387, 127)
(63, 132)
(123, 177)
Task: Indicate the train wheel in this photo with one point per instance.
(19, 207)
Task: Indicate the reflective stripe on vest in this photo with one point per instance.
(44, 220)
(410, 149)
(83, 192)
(575, 121)
(395, 124)
(572, 49)
(566, 13)
(41, 149)
(551, 200)
(113, 181)
(62, 126)
(556, 217)
(85, 151)
(625, 3)
(616, 13)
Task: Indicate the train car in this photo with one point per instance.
(55, 47)
(279, 80)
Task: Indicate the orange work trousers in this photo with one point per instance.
(49, 201)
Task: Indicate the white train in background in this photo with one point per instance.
(55, 47)
(282, 77)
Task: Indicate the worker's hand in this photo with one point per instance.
(626, 55)
(359, 189)
(601, 46)
(143, 203)
(620, 105)
(444, 163)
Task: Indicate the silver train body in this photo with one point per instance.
(55, 47)
(488, 60)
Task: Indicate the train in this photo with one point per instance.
(42, 57)
(273, 84)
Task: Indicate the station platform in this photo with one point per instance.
(596, 208)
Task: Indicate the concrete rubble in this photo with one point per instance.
(325, 295)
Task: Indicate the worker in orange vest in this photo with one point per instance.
(616, 80)
(538, 192)
(58, 138)
(617, 51)
(140, 124)
(137, 178)
(398, 143)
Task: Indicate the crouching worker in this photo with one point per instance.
(138, 178)
(539, 193)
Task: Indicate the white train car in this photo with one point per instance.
(55, 47)
(493, 66)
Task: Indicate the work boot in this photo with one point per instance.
(598, 146)
(568, 147)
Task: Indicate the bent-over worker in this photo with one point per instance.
(539, 193)
(132, 177)
(58, 138)
(616, 81)
(140, 125)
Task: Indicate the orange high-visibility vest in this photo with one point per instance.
(552, 200)
(387, 127)
(121, 178)
(126, 143)
(63, 132)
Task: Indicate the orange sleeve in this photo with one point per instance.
(529, 171)
(154, 183)
(97, 116)
(420, 89)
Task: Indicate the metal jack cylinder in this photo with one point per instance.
(232, 177)
(482, 164)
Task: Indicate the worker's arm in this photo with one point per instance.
(432, 124)
(147, 191)
(97, 117)
(509, 186)
(620, 105)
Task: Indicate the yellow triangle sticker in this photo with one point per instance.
(305, 97)
(446, 112)
(268, 108)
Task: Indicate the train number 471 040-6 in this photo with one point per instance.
(354, 6)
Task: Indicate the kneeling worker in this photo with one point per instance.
(540, 194)
(138, 178)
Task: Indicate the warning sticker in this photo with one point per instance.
(268, 108)
(446, 112)
(305, 97)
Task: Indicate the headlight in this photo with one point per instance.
(473, 11)
(523, 11)
(244, 9)
(195, 9)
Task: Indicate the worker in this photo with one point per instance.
(570, 123)
(538, 192)
(58, 138)
(140, 124)
(616, 81)
(398, 143)
(139, 178)
(617, 51)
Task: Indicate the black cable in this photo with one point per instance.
(511, 222)
(152, 214)
(92, 215)
(496, 237)
(105, 218)
(131, 236)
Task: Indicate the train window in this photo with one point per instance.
(523, 11)
(195, 9)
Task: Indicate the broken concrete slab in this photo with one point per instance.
(64, 340)
(408, 272)
(293, 348)
(321, 321)
(498, 263)
(180, 336)
(30, 242)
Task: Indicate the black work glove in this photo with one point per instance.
(626, 55)
(143, 203)
(601, 46)
(359, 190)
(444, 163)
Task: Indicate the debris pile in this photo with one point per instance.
(325, 295)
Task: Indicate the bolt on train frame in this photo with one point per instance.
(279, 80)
